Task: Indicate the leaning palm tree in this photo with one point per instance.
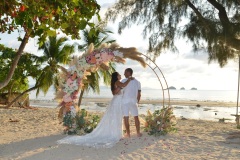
(96, 36)
(56, 53)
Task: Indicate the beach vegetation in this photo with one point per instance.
(160, 122)
(41, 19)
(80, 123)
(56, 53)
(27, 67)
(211, 26)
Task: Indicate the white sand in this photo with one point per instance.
(35, 134)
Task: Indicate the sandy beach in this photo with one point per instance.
(28, 134)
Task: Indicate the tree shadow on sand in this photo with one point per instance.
(47, 148)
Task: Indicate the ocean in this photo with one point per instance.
(198, 95)
(191, 112)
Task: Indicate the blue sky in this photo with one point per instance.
(184, 69)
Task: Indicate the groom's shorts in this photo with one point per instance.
(131, 108)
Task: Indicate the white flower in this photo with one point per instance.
(91, 121)
(118, 54)
(96, 123)
(73, 111)
(158, 122)
(72, 69)
(89, 127)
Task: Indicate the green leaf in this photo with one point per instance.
(51, 33)
(64, 25)
(82, 24)
(30, 23)
(20, 39)
(76, 2)
(91, 24)
(91, 32)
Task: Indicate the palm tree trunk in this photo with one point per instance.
(15, 61)
(20, 95)
(80, 98)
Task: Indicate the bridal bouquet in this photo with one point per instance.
(160, 122)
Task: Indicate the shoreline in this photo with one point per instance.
(150, 101)
(172, 102)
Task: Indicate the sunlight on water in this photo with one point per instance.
(191, 112)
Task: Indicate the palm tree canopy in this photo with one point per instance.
(56, 52)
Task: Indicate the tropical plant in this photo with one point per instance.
(81, 122)
(160, 122)
(97, 35)
(213, 25)
(56, 53)
(42, 18)
(27, 67)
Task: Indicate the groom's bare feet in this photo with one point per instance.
(139, 134)
(127, 135)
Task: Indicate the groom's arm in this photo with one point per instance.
(139, 92)
(139, 96)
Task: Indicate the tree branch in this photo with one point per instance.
(15, 61)
(199, 15)
(222, 14)
(20, 95)
(195, 10)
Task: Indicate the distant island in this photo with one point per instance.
(173, 88)
(182, 88)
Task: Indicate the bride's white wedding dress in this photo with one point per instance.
(107, 133)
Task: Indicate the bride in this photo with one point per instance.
(109, 130)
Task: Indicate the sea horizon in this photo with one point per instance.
(153, 94)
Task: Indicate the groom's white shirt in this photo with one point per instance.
(130, 92)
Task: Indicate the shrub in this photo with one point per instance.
(160, 122)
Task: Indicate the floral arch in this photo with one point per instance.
(70, 80)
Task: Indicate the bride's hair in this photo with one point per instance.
(114, 80)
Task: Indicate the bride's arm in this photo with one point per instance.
(116, 91)
(120, 84)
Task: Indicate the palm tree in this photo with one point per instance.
(97, 36)
(56, 53)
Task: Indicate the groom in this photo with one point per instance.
(130, 100)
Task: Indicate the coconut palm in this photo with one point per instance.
(56, 54)
(97, 36)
